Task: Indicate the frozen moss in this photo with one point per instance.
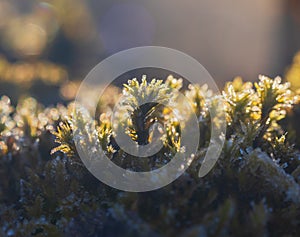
(252, 190)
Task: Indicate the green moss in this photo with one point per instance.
(252, 190)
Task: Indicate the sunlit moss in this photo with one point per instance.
(104, 133)
(64, 137)
(199, 96)
(241, 103)
(253, 186)
(172, 136)
(144, 102)
(275, 97)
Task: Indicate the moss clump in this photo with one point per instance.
(252, 190)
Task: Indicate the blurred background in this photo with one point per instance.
(48, 47)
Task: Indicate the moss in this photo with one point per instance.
(252, 190)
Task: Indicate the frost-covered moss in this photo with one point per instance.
(252, 190)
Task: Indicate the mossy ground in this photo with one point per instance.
(253, 190)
